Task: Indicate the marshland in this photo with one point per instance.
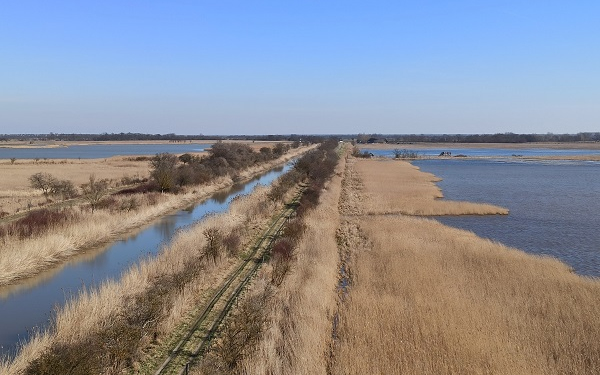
(372, 275)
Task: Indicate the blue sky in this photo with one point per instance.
(266, 67)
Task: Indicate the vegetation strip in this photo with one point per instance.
(177, 354)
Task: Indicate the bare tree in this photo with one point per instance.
(214, 243)
(94, 190)
(163, 170)
(42, 181)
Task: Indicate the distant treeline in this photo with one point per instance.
(360, 138)
(477, 138)
(154, 137)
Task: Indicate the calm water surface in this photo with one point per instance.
(554, 206)
(30, 305)
(488, 152)
(100, 151)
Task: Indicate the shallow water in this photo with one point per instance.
(553, 206)
(95, 151)
(29, 305)
(488, 152)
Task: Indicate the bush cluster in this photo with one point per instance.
(170, 172)
(36, 222)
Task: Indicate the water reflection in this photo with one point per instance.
(30, 303)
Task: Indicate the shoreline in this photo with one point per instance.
(508, 146)
(13, 275)
(58, 144)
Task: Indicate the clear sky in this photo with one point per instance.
(279, 67)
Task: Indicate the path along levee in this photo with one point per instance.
(427, 298)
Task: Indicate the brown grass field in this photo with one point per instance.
(16, 193)
(23, 258)
(424, 298)
(398, 187)
(429, 299)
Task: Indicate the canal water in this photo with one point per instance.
(100, 151)
(553, 205)
(29, 306)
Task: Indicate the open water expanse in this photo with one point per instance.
(99, 151)
(554, 206)
(488, 152)
(29, 305)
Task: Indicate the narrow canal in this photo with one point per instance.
(29, 306)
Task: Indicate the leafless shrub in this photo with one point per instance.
(232, 243)
(214, 243)
(282, 260)
(241, 333)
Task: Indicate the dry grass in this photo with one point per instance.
(429, 299)
(397, 187)
(301, 312)
(15, 192)
(25, 258)
(91, 311)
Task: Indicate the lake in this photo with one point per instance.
(100, 151)
(487, 152)
(553, 206)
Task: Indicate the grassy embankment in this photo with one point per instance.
(22, 258)
(422, 298)
(427, 298)
(297, 315)
(110, 329)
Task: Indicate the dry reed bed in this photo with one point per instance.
(431, 299)
(301, 311)
(91, 311)
(25, 258)
(397, 187)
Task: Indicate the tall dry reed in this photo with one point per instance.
(25, 258)
(431, 299)
(398, 187)
(92, 310)
(301, 310)
(425, 298)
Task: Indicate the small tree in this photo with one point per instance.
(42, 181)
(163, 170)
(63, 189)
(94, 190)
(214, 243)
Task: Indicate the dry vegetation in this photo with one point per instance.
(21, 258)
(398, 187)
(113, 324)
(17, 195)
(301, 309)
(429, 299)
